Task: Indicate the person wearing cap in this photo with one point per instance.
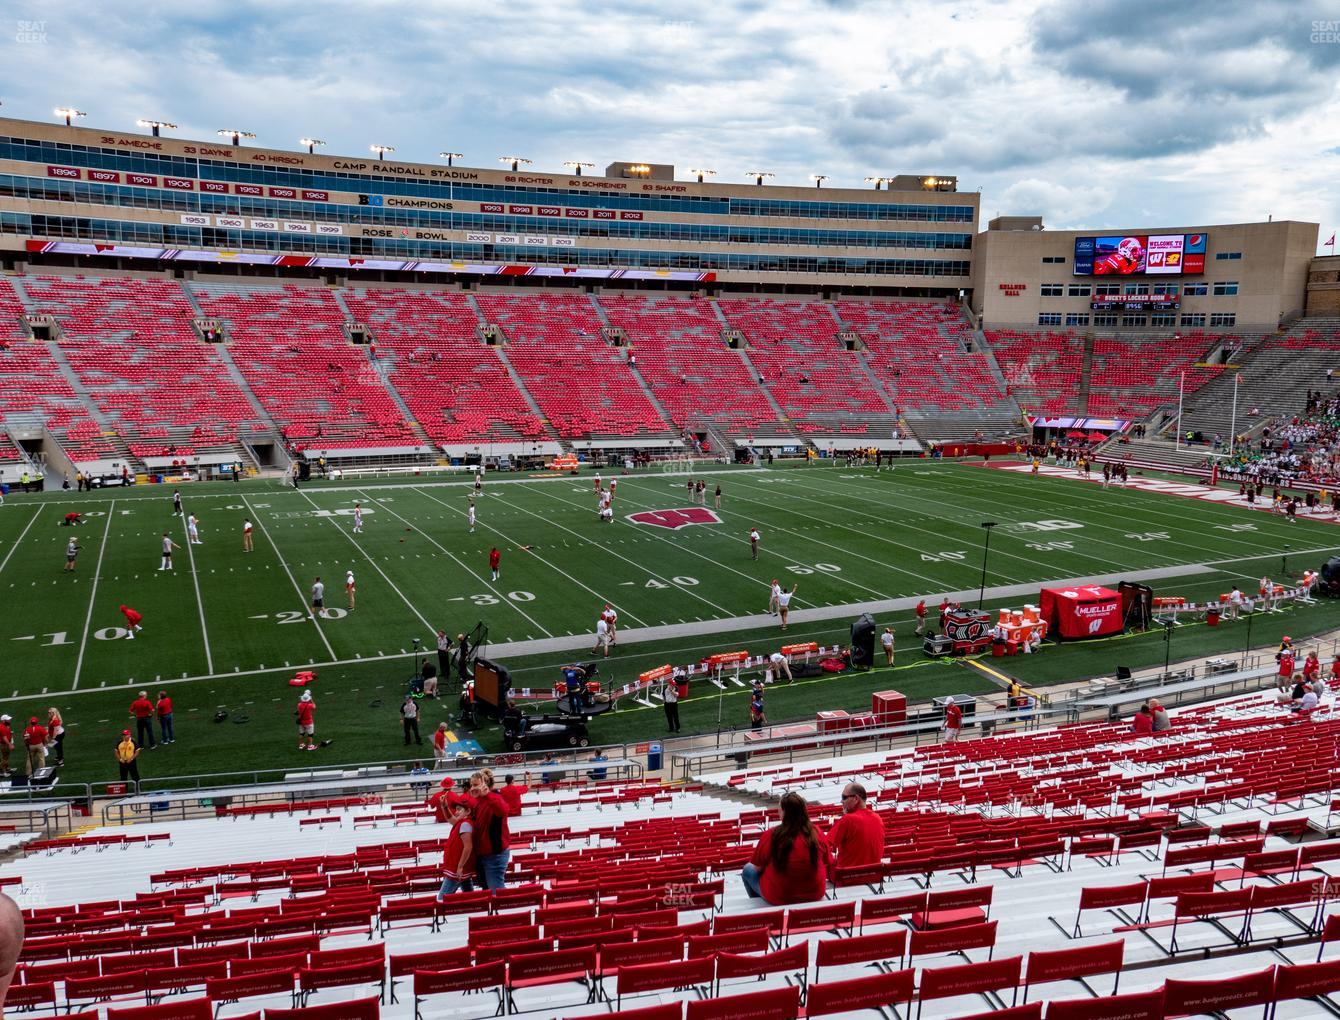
(6, 742)
(458, 859)
(35, 744)
(306, 715)
(143, 711)
(438, 800)
(126, 754)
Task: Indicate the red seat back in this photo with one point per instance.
(1137, 1006)
(793, 958)
(1215, 995)
(889, 945)
(970, 978)
(773, 1004)
(1064, 964)
(352, 1009)
(873, 992)
(187, 1009)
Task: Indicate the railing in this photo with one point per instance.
(923, 727)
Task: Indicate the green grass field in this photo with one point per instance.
(227, 628)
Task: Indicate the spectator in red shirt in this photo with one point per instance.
(511, 793)
(857, 837)
(1143, 723)
(953, 722)
(164, 710)
(440, 745)
(35, 743)
(438, 801)
(143, 711)
(6, 742)
(790, 862)
(11, 942)
(306, 716)
(458, 859)
(1335, 667)
(492, 839)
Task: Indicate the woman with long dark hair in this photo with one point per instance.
(790, 862)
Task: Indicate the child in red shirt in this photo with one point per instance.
(458, 860)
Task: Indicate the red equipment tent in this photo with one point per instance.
(1081, 612)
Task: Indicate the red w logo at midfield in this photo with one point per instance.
(675, 519)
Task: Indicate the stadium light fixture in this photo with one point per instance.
(449, 156)
(155, 125)
(311, 143)
(69, 113)
(986, 548)
(700, 174)
(878, 182)
(515, 162)
(577, 165)
(760, 176)
(235, 134)
(818, 179)
(381, 151)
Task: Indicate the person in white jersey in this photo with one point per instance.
(246, 535)
(784, 603)
(349, 588)
(193, 530)
(602, 637)
(358, 518)
(772, 597)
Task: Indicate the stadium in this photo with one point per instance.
(595, 534)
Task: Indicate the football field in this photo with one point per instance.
(680, 575)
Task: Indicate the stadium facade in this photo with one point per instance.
(136, 201)
(64, 188)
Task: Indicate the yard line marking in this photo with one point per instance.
(611, 552)
(302, 596)
(1049, 507)
(502, 597)
(878, 538)
(765, 550)
(17, 541)
(898, 522)
(200, 602)
(403, 597)
(555, 567)
(93, 596)
(723, 628)
(1148, 502)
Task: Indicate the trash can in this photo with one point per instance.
(654, 757)
(1212, 616)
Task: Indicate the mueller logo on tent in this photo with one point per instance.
(675, 519)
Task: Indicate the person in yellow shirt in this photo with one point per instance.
(126, 754)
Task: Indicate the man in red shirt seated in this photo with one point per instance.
(511, 793)
(857, 837)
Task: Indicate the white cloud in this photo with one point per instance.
(1089, 111)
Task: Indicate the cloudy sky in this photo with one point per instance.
(1091, 113)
